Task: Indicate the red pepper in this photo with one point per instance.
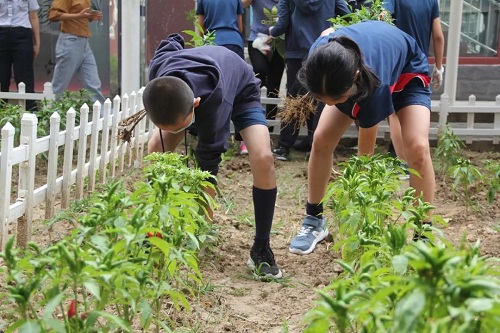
(149, 234)
(72, 309)
(84, 315)
(158, 234)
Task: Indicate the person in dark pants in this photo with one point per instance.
(19, 44)
(208, 87)
(268, 65)
(301, 22)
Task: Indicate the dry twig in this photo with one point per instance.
(127, 125)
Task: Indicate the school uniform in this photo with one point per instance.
(398, 62)
(221, 16)
(415, 18)
(227, 86)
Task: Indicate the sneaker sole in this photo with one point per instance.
(404, 177)
(318, 239)
(281, 158)
(251, 266)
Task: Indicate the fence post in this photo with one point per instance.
(68, 157)
(21, 89)
(82, 151)
(496, 120)
(114, 133)
(5, 180)
(48, 93)
(55, 126)
(27, 178)
(123, 144)
(444, 109)
(470, 118)
(94, 138)
(104, 141)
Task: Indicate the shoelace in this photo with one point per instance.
(304, 231)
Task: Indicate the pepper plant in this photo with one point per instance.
(448, 150)
(128, 257)
(466, 179)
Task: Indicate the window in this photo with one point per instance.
(480, 29)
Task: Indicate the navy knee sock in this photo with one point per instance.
(314, 209)
(263, 204)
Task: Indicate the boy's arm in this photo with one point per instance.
(240, 23)
(438, 42)
(246, 3)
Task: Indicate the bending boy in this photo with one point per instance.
(208, 87)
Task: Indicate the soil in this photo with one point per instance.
(234, 301)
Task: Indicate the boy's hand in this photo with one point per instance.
(437, 77)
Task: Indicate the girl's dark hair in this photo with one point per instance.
(330, 70)
(166, 99)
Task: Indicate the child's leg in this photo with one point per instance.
(415, 123)
(170, 141)
(396, 137)
(331, 127)
(258, 143)
(367, 137)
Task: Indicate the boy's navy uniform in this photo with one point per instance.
(227, 86)
(228, 91)
(398, 62)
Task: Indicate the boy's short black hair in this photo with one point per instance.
(166, 99)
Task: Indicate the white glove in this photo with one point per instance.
(437, 77)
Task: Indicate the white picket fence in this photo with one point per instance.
(20, 96)
(108, 157)
(471, 130)
(105, 157)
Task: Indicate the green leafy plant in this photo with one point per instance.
(126, 258)
(12, 114)
(493, 174)
(448, 149)
(466, 179)
(376, 12)
(200, 40)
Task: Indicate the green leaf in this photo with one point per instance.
(408, 311)
(161, 244)
(30, 326)
(93, 288)
(51, 306)
(400, 264)
(117, 320)
(480, 304)
(145, 311)
(56, 325)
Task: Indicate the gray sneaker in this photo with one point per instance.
(311, 233)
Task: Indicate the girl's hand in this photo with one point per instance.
(327, 31)
(86, 13)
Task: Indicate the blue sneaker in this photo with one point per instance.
(311, 233)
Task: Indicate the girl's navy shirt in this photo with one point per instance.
(389, 53)
(225, 83)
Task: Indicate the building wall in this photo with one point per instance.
(164, 17)
(483, 81)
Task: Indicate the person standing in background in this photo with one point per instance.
(225, 18)
(422, 22)
(267, 65)
(19, 43)
(302, 21)
(73, 52)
